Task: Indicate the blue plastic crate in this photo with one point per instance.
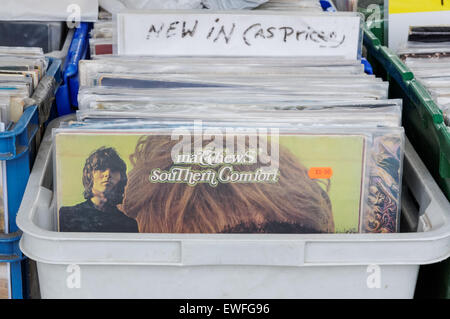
(11, 254)
(67, 94)
(18, 151)
(18, 148)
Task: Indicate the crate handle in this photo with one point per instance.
(424, 99)
(444, 160)
(397, 66)
(371, 40)
(392, 61)
(54, 69)
(76, 51)
(434, 207)
(9, 247)
(444, 165)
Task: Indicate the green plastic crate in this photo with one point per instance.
(425, 128)
(422, 118)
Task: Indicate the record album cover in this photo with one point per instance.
(150, 182)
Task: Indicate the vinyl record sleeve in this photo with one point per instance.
(429, 34)
(309, 84)
(89, 69)
(234, 95)
(5, 284)
(294, 182)
(34, 74)
(381, 114)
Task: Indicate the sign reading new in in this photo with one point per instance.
(243, 34)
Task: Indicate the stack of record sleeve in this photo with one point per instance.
(427, 54)
(21, 71)
(208, 144)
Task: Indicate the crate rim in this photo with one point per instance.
(34, 236)
(10, 242)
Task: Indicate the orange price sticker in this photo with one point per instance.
(320, 172)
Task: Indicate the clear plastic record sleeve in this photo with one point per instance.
(213, 94)
(381, 114)
(21, 51)
(122, 103)
(9, 81)
(329, 61)
(442, 82)
(5, 284)
(305, 83)
(23, 64)
(228, 179)
(89, 69)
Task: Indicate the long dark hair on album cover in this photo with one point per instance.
(295, 204)
(102, 159)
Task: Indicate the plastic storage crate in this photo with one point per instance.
(233, 265)
(11, 255)
(422, 118)
(424, 126)
(67, 95)
(18, 148)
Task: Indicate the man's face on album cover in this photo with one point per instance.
(104, 181)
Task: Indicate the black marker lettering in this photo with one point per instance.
(313, 36)
(322, 37)
(191, 32)
(226, 37)
(212, 29)
(340, 43)
(270, 31)
(298, 34)
(153, 29)
(244, 35)
(307, 34)
(260, 33)
(287, 32)
(172, 27)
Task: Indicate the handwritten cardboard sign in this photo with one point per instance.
(238, 34)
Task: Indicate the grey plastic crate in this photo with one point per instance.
(234, 265)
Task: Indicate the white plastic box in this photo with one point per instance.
(94, 265)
